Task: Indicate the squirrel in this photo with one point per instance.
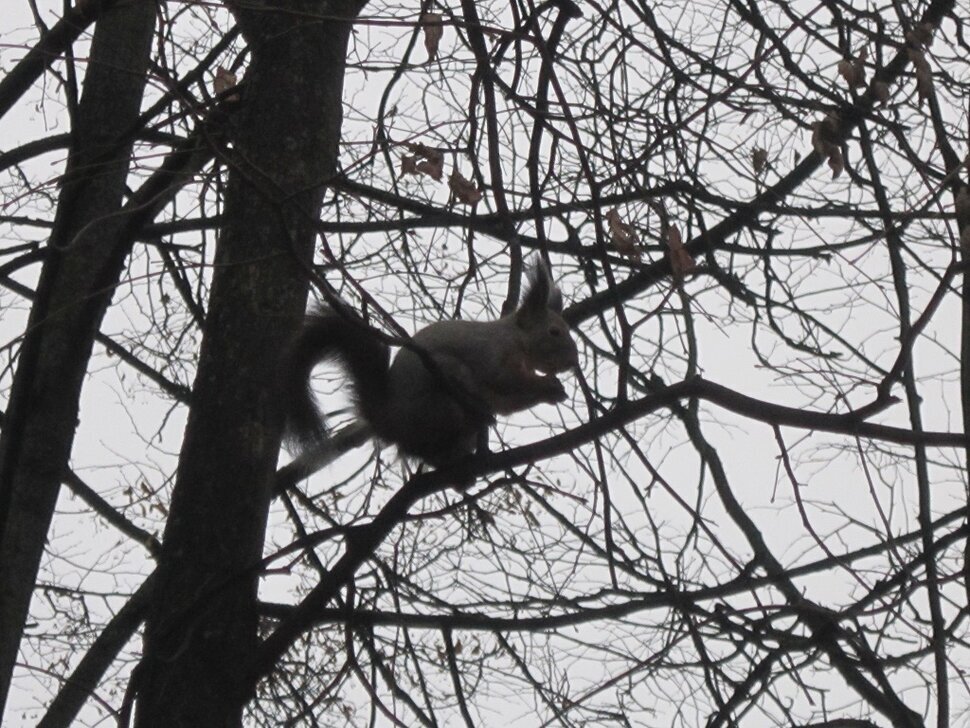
(445, 387)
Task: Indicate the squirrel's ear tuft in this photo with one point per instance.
(539, 288)
(554, 299)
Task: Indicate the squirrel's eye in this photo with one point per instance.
(554, 331)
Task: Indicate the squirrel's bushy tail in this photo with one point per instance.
(342, 337)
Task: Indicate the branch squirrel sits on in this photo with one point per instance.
(444, 388)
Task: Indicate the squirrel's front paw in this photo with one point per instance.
(555, 391)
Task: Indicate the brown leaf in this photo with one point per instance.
(923, 72)
(433, 31)
(836, 162)
(917, 58)
(880, 89)
(675, 241)
(433, 168)
(464, 190)
(225, 80)
(924, 85)
(921, 35)
(819, 144)
(432, 161)
(851, 73)
(825, 134)
(825, 139)
(624, 236)
(681, 262)
(424, 151)
(409, 164)
(853, 70)
(759, 160)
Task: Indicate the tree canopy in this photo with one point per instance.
(751, 509)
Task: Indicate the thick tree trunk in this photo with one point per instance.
(201, 634)
(83, 262)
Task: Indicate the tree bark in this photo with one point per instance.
(83, 263)
(201, 633)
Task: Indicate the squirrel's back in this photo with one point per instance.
(434, 412)
(406, 403)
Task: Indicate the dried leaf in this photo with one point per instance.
(880, 89)
(409, 164)
(225, 80)
(825, 134)
(819, 143)
(825, 141)
(924, 84)
(425, 152)
(464, 190)
(433, 31)
(921, 35)
(923, 72)
(433, 168)
(759, 160)
(830, 126)
(624, 237)
(847, 71)
(675, 241)
(681, 262)
(836, 162)
(917, 58)
(853, 70)
(432, 161)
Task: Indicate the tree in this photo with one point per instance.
(753, 508)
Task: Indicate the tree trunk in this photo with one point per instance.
(201, 634)
(82, 265)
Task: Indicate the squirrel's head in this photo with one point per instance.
(549, 346)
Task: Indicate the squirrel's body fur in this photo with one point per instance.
(448, 384)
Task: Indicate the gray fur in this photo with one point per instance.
(448, 384)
